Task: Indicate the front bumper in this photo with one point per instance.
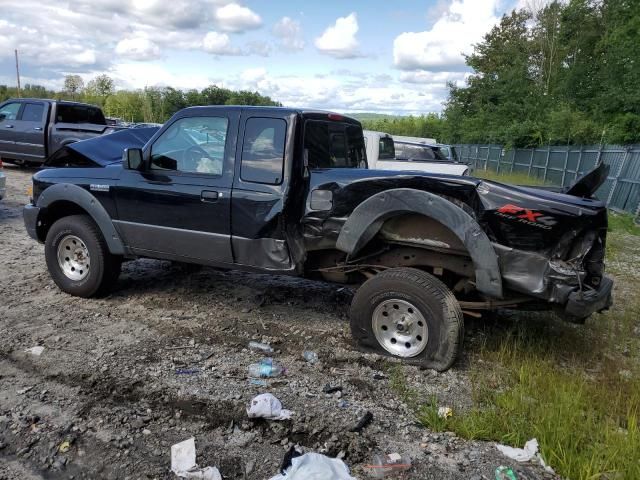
(30, 214)
(583, 303)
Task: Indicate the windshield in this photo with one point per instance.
(418, 153)
(334, 145)
(387, 150)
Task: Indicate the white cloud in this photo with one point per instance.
(218, 44)
(289, 32)
(236, 18)
(438, 78)
(138, 48)
(441, 48)
(339, 40)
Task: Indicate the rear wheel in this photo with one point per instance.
(78, 258)
(410, 314)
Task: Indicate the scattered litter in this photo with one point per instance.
(379, 376)
(329, 389)
(363, 422)
(64, 447)
(37, 350)
(445, 412)
(267, 406)
(311, 357)
(386, 465)
(266, 368)
(505, 473)
(314, 466)
(343, 404)
(23, 390)
(265, 347)
(528, 453)
(257, 381)
(183, 462)
(187, 371)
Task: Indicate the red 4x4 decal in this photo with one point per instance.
(527, 216)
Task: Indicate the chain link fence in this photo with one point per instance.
(562, 165)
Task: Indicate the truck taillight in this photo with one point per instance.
(335, 116)
(0, 163)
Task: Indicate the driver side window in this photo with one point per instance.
(192, 145)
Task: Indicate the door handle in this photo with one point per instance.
(8, 126)
(210, 196)
(37, 128)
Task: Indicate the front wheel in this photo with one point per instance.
(78, 258)
(410, 314)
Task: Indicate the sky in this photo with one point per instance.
(374, 56)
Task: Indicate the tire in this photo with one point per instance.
(89, 270)
(408, 314)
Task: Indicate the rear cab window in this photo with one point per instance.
(32, 112)
(387, 149)
(331, 144)
(263, 150)
(70, 113)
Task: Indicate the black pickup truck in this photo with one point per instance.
(287, 191)
(31, 129)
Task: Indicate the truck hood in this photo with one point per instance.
(100, 151)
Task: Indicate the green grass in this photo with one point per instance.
(516, 178)
(575, 388)
(623, 223)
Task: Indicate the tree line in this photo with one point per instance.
(563, 73)
(149, 105)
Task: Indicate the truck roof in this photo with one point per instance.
(282, 110)
(50, 100)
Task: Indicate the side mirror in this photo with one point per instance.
(2, 116)
(132, 158)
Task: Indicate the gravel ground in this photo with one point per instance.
(107, 380)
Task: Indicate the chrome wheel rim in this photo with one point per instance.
(73, 258)
(400, 328)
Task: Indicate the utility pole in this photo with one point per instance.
(17, 72)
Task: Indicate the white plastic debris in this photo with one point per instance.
(183, 462)
(37, 351)
(527, 454)
(313, 466)
(267, 406)
(445, 412)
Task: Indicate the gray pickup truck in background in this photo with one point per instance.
(31, 129)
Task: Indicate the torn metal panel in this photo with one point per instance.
(267, 253)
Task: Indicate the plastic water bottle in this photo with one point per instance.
(266, 368)
(260, 346)
(505, 473)
(309, 356)
(383, 466)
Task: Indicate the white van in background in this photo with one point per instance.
(382, 155)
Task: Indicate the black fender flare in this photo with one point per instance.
(78, 195)
(367, 218)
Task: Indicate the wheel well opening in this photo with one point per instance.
(54, 212)
(421, 231)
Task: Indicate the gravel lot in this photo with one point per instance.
(107, 382)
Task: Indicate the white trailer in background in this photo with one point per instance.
(381, 155)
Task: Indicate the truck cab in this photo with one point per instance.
(31, 129)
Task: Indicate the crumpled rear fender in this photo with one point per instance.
(367, 219)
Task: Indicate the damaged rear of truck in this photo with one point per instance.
(492, 245)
